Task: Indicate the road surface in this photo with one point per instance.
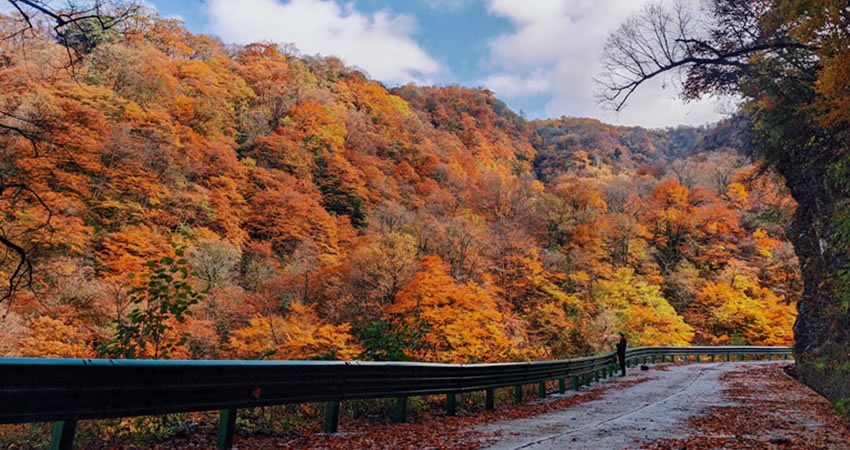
(654, 410)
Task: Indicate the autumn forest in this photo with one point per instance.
(190, 199)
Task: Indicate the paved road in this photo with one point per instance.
(623, 418)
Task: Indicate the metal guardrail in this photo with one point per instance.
(67, 390)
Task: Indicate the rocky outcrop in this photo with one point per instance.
(821, 237)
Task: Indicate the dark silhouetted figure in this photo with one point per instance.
(621, 354)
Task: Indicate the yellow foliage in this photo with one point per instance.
(737, 193)
(643, 314)
(742, 310)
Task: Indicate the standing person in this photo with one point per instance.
(621, 354)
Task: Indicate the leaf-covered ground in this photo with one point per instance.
(773, 411)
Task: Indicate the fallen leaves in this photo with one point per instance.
(772, 411)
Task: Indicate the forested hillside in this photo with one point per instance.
(295, 209)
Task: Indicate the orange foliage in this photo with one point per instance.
(301, 334)
(465, 321)
(51, 338)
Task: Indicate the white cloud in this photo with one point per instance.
(565, 38)
(379, 43)
(527, 12)
(511, 85)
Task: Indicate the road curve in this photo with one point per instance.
(628, 417)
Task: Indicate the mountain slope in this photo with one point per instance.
(329, 217)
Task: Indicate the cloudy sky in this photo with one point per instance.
(539, 56)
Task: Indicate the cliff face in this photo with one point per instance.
(817, 173)
(822, 330)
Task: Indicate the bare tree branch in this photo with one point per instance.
(661, 40)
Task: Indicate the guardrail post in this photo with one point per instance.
(518, 394)
(226, 428)
(785, 357)
(541, 389)
(331, 416)
(562, 385)
(712, 358)
(490, 399)
(400, 409)
(451, 404)
(741, 355)
(63, 435)
(575, 383)
(595, 376)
